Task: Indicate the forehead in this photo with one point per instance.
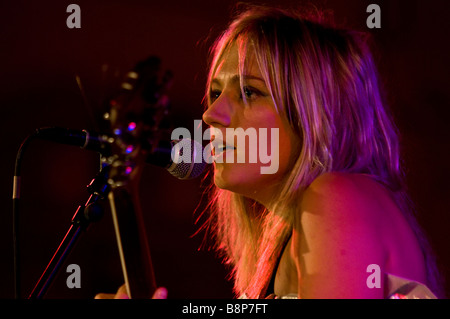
(234, 63)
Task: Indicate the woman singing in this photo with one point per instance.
(335, 215)
(333, 219)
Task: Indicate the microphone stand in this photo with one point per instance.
(91, 211)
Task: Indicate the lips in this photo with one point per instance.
(219, 147)
(224, 148)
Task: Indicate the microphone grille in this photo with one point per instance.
(187, 159)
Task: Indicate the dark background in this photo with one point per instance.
(40, 57)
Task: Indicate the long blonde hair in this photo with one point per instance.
(324, 80)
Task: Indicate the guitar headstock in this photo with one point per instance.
(138, 118)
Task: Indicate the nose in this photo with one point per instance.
(218, 113)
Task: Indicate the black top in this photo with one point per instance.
(271, 286)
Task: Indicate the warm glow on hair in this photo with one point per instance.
(324, 80)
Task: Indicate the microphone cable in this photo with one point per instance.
(15, 212)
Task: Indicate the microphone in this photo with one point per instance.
(84, 139)
(182, 158)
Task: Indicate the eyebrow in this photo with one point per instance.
(236, 78)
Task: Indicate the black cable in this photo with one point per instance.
(16, 198)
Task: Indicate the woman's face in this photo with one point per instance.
(243, 167)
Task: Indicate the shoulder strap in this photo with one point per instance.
(269, 290)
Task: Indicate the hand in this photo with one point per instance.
(160, 293)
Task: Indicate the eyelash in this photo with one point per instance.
(214, 95)
(248, 91)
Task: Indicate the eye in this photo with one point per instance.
(250, 92)
(214, 95)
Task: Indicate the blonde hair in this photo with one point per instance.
(324, 80)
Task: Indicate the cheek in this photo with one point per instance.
(275, 152)
(282, 146)
(242, 178)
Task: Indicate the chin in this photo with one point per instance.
(226, 178)
(243, 179)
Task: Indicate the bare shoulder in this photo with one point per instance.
(341, 230)
(342, 182)
(341, 194)
(357, 200)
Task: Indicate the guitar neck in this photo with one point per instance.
(132, 243)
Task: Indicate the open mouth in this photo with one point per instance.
(221, 149)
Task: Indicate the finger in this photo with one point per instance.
(160, 293)
(104, 296)
(122, 293)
